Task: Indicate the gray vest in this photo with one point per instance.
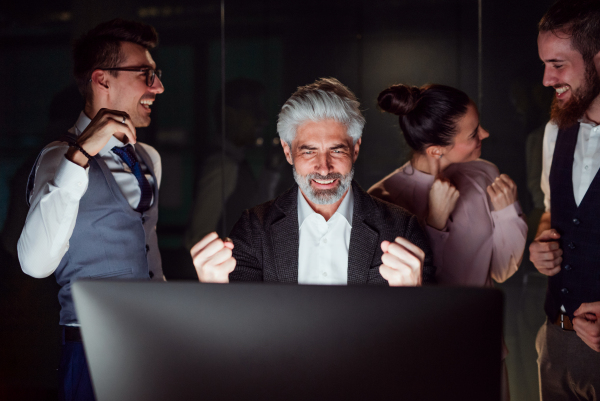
(110, 239)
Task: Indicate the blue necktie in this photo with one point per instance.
(128, 155)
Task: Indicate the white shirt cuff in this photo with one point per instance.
(71, 177)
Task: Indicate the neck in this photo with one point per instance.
(593, 112)
(326, 210)
(422, 163)
(91, 110)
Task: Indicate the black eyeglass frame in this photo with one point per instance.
(151, 73)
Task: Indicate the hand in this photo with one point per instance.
(213, 259)
(545, 253)
(402, 263)
(105, 124)
(502, 192)
(442, 201)
(587, 324)
(442, 196)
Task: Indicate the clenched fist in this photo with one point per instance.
(402, 263)
(213, 259)
(502, 192)
(442, 201)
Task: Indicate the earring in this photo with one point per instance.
(440, 156)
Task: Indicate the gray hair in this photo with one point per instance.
(326, 99)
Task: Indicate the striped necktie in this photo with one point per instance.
(127, 153)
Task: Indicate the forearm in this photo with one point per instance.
(52, 216)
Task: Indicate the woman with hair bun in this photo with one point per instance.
(469, 210)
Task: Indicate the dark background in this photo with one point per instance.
(486, 48)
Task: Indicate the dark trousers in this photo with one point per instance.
(73, 373)
(568, 369)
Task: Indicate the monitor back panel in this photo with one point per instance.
(191, 341)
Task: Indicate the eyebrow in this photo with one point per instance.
(554, 60)
(306, 147)
(339, 146)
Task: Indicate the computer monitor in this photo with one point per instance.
(191, 341)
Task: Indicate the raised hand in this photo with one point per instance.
(442, 197)
(502, 192)
(213, 259)
(587, 324)
(105, 124)
(402, 263)
(545, 252)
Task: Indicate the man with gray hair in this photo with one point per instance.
(325, 230)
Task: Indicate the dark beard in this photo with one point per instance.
(569, 114)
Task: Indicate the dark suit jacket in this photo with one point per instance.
(266, 239)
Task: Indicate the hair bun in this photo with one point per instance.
(399, 99)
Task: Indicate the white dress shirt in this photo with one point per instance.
(323, 250)
(586, 161)
(59, 186)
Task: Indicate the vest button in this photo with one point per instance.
(150, 274)
(568, 267)
(576, 222)
(564, 291)
(148, 248)
(571, 245)
(143, 220)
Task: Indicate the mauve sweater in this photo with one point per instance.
(478, 243)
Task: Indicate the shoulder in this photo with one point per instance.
(270, 212)
(551, 129)
(391, 186)
(477, 169)
(52, 155)
(153, 153)
(380, 210)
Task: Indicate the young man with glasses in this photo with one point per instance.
(94, 193)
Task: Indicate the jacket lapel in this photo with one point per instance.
(285, 237)
(364, 240)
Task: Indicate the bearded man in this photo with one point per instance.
(325, 229)
(566, 248)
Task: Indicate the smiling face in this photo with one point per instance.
(128, 90)
(577, 84)
(323, 156)
(466, 145)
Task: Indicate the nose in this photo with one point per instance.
(323, 163)
(549, 77)
(483, 133)
(157, 86)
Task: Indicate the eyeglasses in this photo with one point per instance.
(150, 73)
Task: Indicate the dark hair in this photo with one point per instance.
(578, 18)
(428, 114)
(101, 48)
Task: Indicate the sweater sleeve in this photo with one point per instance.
(510, 234)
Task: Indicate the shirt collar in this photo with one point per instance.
(82, 123)
(346, 208)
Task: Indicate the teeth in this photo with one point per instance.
(322, 182)
(147, 102)
(562, 90)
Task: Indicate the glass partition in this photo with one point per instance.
(228, 67)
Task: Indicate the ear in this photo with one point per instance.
(356, 149)
(434, 151)
(288, 152)
(99, 80)
(597, 62)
